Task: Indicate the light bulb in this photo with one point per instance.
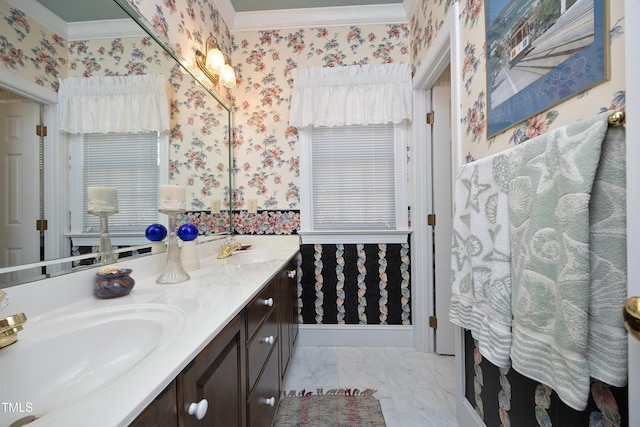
(215, 60)
(227, 76)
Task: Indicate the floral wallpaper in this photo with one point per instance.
(266, 152)
(184, 26)
(30, 49)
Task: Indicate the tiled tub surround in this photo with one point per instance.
(213, 296)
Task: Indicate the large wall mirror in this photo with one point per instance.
(43, 41)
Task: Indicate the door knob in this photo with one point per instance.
(631, 314)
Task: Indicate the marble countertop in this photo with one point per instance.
(214, 295)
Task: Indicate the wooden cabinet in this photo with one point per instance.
(235, 380)
(263, 340)
(216, 376)
(162, 412)
(263, 401)
(288, 312)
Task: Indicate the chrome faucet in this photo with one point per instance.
(228, 248)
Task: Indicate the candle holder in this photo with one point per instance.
(106, 255)
(173, 270)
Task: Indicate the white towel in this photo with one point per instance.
(567, 215)
(480, 262)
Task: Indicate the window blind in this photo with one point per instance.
(353, 177)
(135, 175)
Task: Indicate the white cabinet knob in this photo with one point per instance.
(291, 274)
(269, 340)
(270, 401)
(199, 409)
(268, 302)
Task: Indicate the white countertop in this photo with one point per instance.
(213, 296)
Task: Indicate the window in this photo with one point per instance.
(131, 163)
(353, 184)
(352, 123)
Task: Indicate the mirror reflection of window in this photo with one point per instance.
(119, 147)
(97, 160)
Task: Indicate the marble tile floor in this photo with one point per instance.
(414, 389)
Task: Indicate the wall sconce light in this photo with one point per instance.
(214, 64)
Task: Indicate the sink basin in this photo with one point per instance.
(57, 362)
(251, 256)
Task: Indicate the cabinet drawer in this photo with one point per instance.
(264, 399)
(259, 347)
(260, 307)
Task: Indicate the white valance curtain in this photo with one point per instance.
(351, 95)
(119, 104)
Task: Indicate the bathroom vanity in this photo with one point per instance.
(213, 348)
(239, 373)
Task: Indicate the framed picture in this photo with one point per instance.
(539, 53)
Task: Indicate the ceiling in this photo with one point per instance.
(108, 9)
(254, 5)
(253, 15)
(91, 10)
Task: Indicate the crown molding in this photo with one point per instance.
(72, 31)
(106, 29)
(227, 11)
(44, 16)
(410, 7)
(319, 17)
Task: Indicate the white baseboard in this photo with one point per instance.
(466, 415)
(355, 335)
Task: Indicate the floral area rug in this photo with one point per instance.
(331, 408)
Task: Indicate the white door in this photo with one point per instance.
(442, 207)
(632, 46)
(19, 187)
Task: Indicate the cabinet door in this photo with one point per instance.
(263, 402)
(162, 412)
(217, 376)
(288, 313)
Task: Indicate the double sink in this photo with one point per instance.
(64, 356)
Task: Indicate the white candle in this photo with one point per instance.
(102, 199)
(172, 197)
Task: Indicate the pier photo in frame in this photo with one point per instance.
(539, 53)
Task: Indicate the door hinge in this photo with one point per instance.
(431, 118)
(431, 220)
(41, 224)
(433, 322)
(41, 130)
